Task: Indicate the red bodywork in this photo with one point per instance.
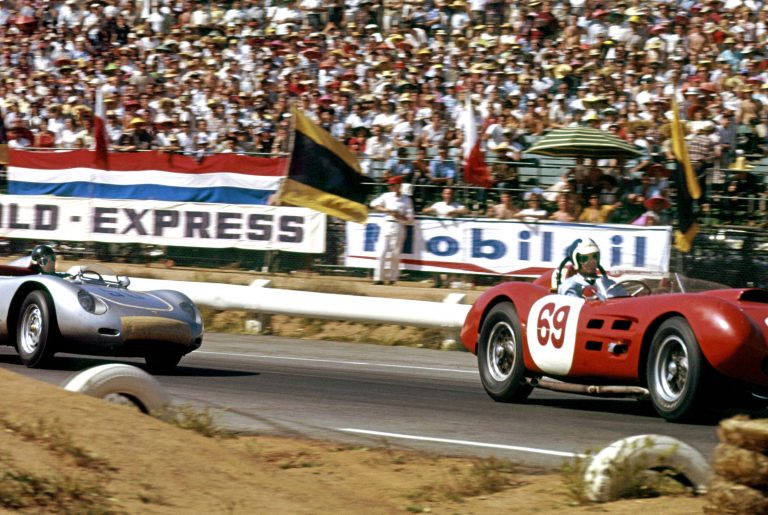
(610, 340)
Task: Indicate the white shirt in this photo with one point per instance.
(443, 208)
(394, 203)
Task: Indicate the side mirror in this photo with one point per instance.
(124, 282)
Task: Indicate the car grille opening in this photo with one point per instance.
(621, 325)
(595, 323)
(108, 331)
(755, 296)
(592, 345)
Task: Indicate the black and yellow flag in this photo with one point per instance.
(686, 184)
(323, 174)
(3, 143)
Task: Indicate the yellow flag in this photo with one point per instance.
(681, 151)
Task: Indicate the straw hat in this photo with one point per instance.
(740, 165)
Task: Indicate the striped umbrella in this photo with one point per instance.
(583, 142)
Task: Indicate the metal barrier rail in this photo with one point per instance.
(330, 306)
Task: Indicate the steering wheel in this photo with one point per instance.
(633, 287)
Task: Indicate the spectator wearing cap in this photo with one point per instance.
(460, 20)
(398, 210)
(142, 137)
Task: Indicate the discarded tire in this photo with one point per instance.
(608, 472)
(128, 381)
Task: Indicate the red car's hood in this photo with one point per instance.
(751, 295)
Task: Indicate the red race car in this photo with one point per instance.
(684, 343)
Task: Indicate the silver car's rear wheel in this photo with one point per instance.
(33, 330)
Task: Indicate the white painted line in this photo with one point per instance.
(463, 442)
(336, 362)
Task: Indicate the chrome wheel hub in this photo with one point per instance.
(502, 354)
(671, 368)
(31, 329)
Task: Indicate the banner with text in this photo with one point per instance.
(504, 247)
(252, 227)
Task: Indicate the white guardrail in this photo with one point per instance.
(258, 298)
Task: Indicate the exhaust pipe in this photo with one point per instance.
(637, 392)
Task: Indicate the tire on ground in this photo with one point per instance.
(126, 380)
(639, 453)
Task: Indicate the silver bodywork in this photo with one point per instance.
(123, 322)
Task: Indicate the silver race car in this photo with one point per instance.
(90, 310)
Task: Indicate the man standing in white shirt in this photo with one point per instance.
(399, 213)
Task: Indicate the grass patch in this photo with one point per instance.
(201, 421)
(150, 495)
(21, 489)
(484, 476)
(58, 440)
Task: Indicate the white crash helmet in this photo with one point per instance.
(586, 247)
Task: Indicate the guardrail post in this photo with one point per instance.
(258, 323)
(451, 336)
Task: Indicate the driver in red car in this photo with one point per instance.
(588, 277)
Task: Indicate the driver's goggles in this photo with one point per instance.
(583, 258)
(44, 260)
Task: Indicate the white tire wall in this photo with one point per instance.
(640, 453)
(132, 382)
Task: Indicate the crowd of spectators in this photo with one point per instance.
(391, 78)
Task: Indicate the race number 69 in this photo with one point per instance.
(550, 327)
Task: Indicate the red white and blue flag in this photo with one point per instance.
(151, 175)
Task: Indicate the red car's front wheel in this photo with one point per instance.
(500, 355)
(675, 371)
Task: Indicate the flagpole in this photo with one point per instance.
(687, 185)
(291, 144)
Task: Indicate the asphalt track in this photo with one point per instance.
(386, 396)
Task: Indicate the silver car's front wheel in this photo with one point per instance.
(33, 330)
